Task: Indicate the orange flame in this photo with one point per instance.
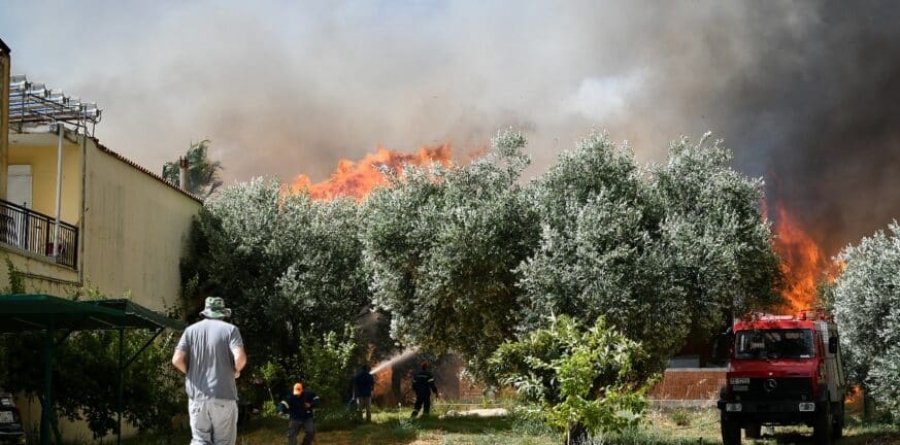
(804, 264)
(357, 179)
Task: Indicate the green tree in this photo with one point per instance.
(716, 242)
(867, 309)
(442, 245)
(202, 173)
(600, 251)
(287, 265)
(657, 251)
(583, 379)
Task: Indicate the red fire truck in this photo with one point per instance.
(784, 370)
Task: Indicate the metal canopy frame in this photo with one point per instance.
(40, 312)
(34, 105)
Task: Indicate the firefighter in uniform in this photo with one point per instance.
(423, 385)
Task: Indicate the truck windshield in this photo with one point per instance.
(774, 343)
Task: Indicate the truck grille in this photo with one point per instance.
(778, 389)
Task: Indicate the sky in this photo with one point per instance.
(805, 93)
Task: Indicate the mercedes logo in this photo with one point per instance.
(770, 385)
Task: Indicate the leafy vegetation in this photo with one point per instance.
(290, 268)
(460, 259)
(442, 245)
(203, 176)
(866, 299)
(583, 380)
(659, 252)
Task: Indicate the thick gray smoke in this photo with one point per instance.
(806, 93)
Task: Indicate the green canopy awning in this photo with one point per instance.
(39, 312)
(24, 312)
(137, 316)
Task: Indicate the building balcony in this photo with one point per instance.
(35, 232)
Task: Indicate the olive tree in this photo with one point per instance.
(287, 265)
(600, 252)
(716, 242)
(442, 245)
(867, 309)
(657, 251)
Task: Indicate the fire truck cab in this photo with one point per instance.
(783, 370)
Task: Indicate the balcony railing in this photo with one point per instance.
(34, 232)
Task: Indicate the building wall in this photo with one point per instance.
(4, 114)
(40, 151)
(41, 274)
(134, 230)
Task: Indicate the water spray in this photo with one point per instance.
(407, 353)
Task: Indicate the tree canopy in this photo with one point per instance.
(287, 265)
(461, 258)
(203, 176)
(442, 245)
(657, 251)
(867, 309)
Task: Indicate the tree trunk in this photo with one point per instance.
(576, 435)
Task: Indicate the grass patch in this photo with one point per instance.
(682, 426)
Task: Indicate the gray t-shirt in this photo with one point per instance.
(210, 363)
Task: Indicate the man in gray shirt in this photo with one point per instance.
(211, 356)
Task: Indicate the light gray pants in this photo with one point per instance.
(213, 422)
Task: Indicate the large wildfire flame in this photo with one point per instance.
(357, 179)
(804, 264)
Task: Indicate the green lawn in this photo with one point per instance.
(681, 426)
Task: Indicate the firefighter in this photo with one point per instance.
(423, 385)
(298, 407)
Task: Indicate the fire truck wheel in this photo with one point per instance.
(838, 430)
(822, 428)
(753, 430)
(731, 431)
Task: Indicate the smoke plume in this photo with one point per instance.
(806, 93)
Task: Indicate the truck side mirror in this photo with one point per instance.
(832, 345)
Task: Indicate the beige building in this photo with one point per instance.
(74, 213)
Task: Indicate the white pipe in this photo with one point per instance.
(59, 153)
(79, 241)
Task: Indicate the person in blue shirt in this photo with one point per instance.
(299, 407)
(363, 386)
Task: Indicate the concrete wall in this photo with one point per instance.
(42, 274)
(135, 228)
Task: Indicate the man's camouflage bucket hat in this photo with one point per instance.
(215, 308)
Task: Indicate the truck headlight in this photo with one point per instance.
(733, 407)
(807, 407)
